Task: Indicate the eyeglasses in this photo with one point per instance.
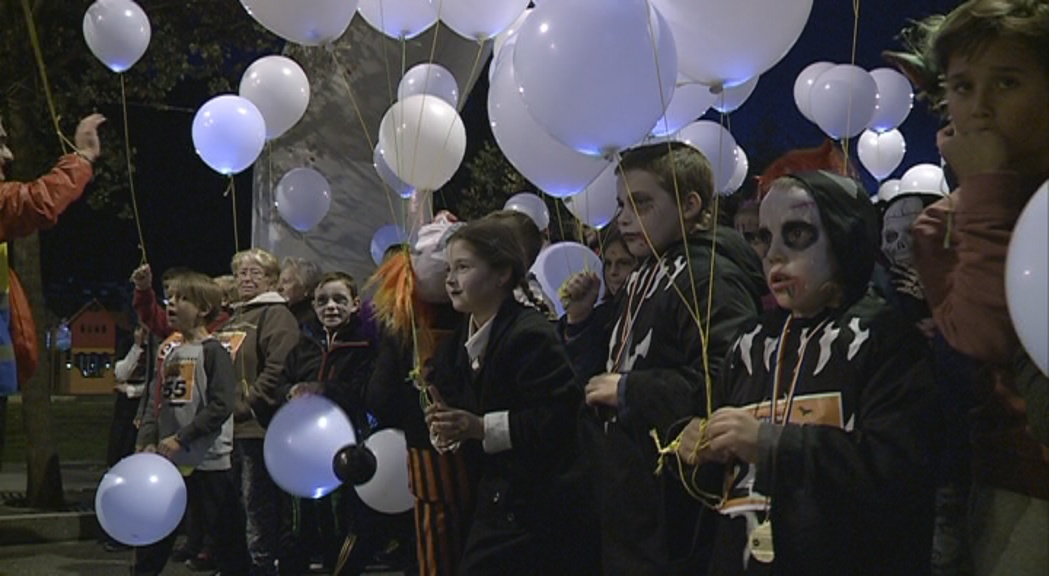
(253, 273)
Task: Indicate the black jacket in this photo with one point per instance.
(850, 479)
(649, 525)
(524, 515)
(341, 363)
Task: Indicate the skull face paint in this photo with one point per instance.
(896, 230)
(799, 266)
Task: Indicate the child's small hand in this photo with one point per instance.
(142, 277)
(972, 152)
(579, 294)
(148, 448)
(306, 389)
(735, 431)
(603, 390)
(169, 446)
(452, 425)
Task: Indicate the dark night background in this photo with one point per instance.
(187, 221)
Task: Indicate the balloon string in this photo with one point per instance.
(131, 172)
(462, 100)
(364, 126)
(422, 109)
(385, 56)
(34, 40)
(848, 118)
(232, 191)
(684, 229)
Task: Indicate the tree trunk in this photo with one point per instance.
(43, 478)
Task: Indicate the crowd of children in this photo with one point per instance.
(790, 395)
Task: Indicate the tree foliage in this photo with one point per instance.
(492, 180)
(193, 43)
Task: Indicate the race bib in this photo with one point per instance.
(179, 381)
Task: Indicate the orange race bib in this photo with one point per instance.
(180, 381)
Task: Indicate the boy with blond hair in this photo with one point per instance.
(656, 373)
(194, 425)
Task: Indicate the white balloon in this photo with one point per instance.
(503, 37)
(588, 75)
(532, 206)
(559, 262)
(598, 203)
(803, 87)
(888, 190)
(399, 18)
(229, 133)
(386, 174)
(1027, 278)
(385, 237)
(691, 100)
(306, 22)
(924, 179)
(117, 32)
(432, 79)
(388, 490)
(717, 144)
(425, 141)
(503, 56)
(739, 175)
(842, 100)
(479, 19)
(894, 100)
(731, 98)
(881, 153)
(720, 42)
(303, 198)
(301, 443)
(553, 167)
(141, 500)
(280, 89)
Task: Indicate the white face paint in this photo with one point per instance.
(799, 265)
(896, 230)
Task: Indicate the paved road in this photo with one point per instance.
(80, 559)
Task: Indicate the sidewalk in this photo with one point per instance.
(21, 525)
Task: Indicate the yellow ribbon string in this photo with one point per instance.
(364, 125)
(231, 189)
(131, 172)
(34, 40)
(855, 40)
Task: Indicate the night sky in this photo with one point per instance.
(187, 221)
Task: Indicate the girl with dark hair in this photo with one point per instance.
(504, 389)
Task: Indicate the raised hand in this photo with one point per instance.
(86, 137)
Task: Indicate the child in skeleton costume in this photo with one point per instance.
(827, 411)
(412, 307)
(653, 375)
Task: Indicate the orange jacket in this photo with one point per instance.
(26, 207)
(965, 287)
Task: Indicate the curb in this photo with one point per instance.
(48, 527)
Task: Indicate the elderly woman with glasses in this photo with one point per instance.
(260, 335)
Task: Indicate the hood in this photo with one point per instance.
(851, 223)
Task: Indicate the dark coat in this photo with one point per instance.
(526, 518)
(649, 524)
(340, 363)
(850, 479)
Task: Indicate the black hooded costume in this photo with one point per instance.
(847, 480)
(648, 524)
